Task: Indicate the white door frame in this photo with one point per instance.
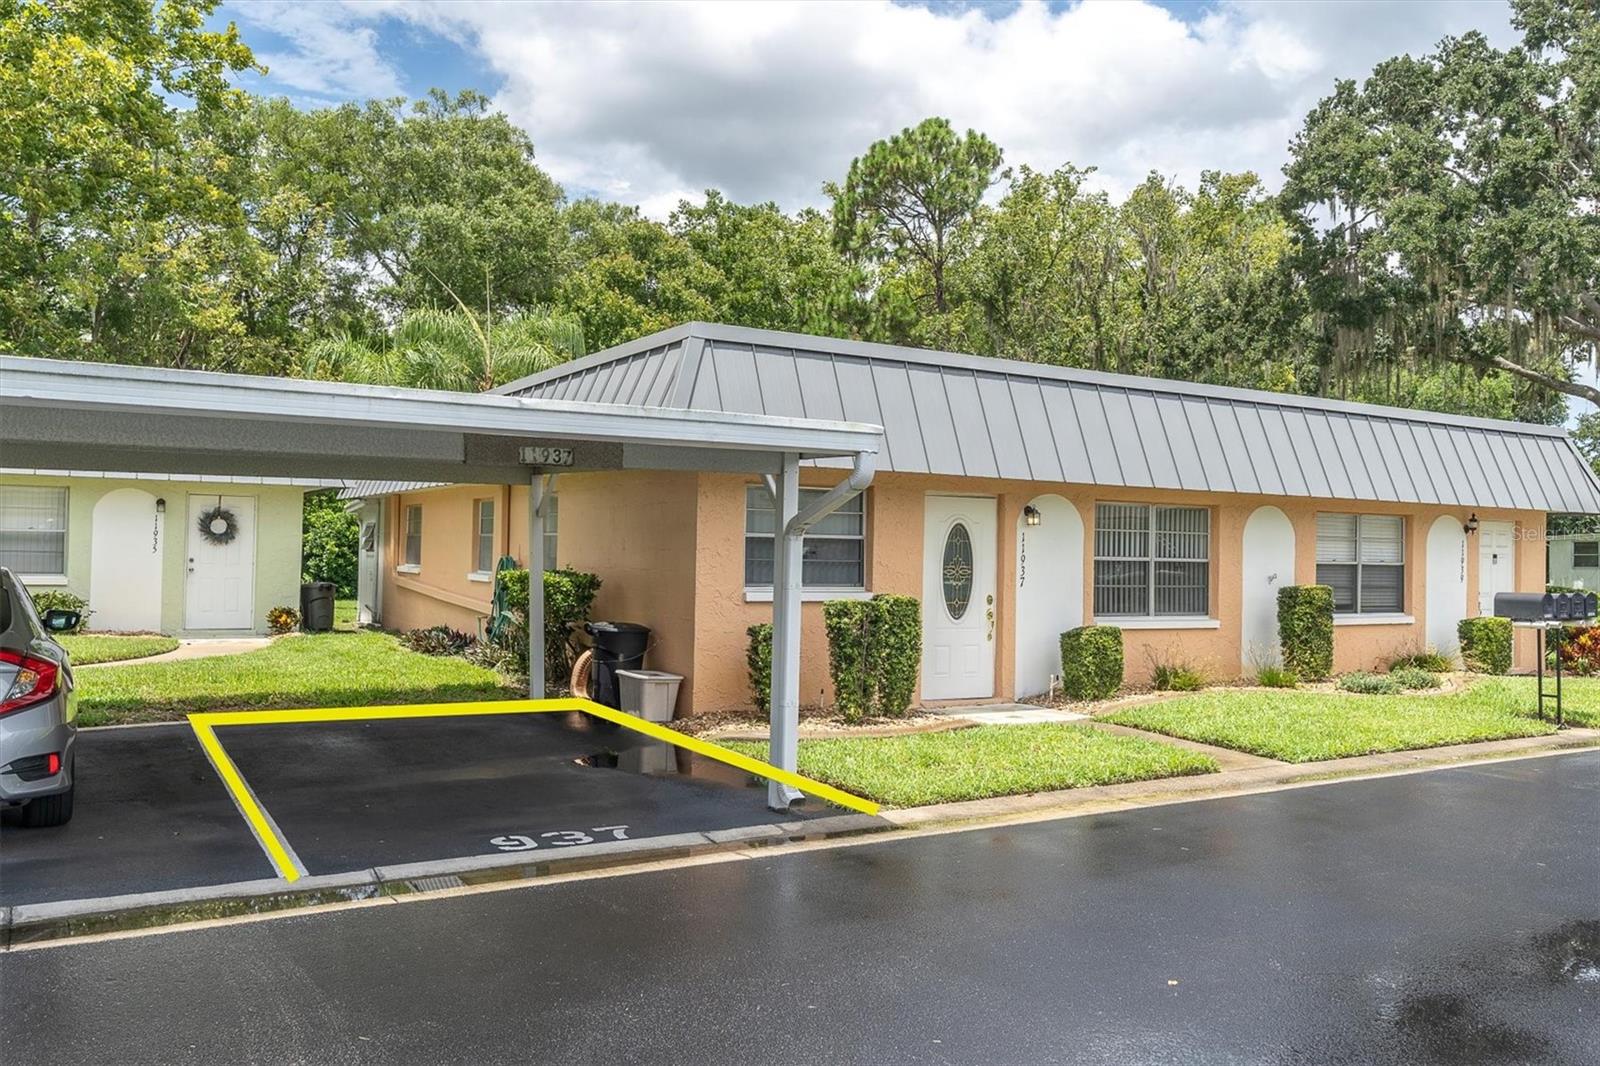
(199, 554)
(1490, 538)
(958, 659)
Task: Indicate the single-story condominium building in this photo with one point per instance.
(109, 537)
(1574, 560)
(1015, 501)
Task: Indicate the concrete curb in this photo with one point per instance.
(25, 924)
(35, 922)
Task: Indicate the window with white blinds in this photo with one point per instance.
(1151, 560)
(413, 544)
(33, 531)
(834, 550)
(483, 557)
(1362, 558)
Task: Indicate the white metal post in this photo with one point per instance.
(787, 552)
(536, 679)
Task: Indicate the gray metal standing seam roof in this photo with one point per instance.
(946, 413)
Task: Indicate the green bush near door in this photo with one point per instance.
(1091, 662)
(1305, 630)
(1486, 644)
(874, 654)
(758, 657)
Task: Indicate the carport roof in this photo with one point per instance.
(73, 415)
(946, 413)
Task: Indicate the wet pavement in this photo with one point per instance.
(152, 815)
(1450, 916)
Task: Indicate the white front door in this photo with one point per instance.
(1497, 559)
(958, 609)
(221, 580)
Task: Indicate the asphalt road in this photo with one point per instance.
(1446, 916)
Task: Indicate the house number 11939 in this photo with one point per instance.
(559, 838)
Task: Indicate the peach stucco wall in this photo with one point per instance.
(669, 548)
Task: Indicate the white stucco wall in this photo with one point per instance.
(278, 524)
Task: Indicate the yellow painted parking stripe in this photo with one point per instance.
(265, 830)
(288, 866)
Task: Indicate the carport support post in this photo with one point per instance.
(785, 696)
(536, 494)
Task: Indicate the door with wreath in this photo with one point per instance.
(220, 584)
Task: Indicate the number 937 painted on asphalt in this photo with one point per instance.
(559, 838)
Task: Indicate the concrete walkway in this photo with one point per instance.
(199, 648)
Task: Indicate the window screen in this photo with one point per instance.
(834, 552)
(1362, 558)
(413, 555)
(1586, 553)
(33, 530)
(1152, 560)
(483, 546)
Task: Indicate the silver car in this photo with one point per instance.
(38, 709)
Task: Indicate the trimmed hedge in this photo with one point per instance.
(1091, 662)
(1486, 644)
(61, 600)
(758, 657)
(568, 596)
(1305, 630)
(874, 654)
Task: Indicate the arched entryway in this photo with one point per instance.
(1268, 566)
(1447, 583)
(1049, 588)
(125, 562)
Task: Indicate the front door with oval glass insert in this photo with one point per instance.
(958, 608)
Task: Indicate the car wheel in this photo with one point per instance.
(49, 810)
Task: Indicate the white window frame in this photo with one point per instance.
(1595, 557)
(63, 493)
(406, 565)
(482, 570)
(1395, 611)
(762, 592)
(1150, 618)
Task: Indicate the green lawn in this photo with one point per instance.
(313, 670)
(997, 760)
(344, 614)
(86, 648)
(1311, 726)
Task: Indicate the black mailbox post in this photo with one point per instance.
(1546, 612)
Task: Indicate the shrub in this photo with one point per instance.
(874, 654)
(1414, 677)
(329, 542)
(1091, 662)
(488, 654)
(1429, 659)
(437, 640)
(1369, 684)
(1305, 629)
(62, 600)
(1276, 677)
(1486, 644)
(758, 657)
(568, 597)
(1177, 677)
(1580, 649)
(282, 620)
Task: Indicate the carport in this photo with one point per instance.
(58, 415)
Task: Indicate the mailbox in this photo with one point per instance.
(1545, 606)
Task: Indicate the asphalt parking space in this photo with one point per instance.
(149, 815)
(153, 815)
(354, 795)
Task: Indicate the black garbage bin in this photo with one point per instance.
(617, 646)
(316, 606)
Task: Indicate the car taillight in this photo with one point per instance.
(35, 681)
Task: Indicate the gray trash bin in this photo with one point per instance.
(650, 694)
(316, 606)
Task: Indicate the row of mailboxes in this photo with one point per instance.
(1546, 606)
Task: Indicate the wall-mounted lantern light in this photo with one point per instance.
(1472, 525)
(161, 506)
(1031, 515)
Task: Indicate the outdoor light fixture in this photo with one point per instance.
(1472, 524)
(1031, 515)
(161, 506)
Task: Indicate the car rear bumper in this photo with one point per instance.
(36, 731)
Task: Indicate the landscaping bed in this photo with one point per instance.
(312, 670)
(89, 648)
(1309, 726)
(985, 761)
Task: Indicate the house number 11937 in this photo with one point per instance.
(560, 838)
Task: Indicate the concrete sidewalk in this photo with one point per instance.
(198, 648)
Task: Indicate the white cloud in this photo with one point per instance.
(330, 55)
(767, 101)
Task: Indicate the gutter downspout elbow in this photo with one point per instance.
(861, 474)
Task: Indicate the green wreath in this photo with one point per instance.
(218, 525)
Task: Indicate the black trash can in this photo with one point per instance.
(316, 606)
(617, 646)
